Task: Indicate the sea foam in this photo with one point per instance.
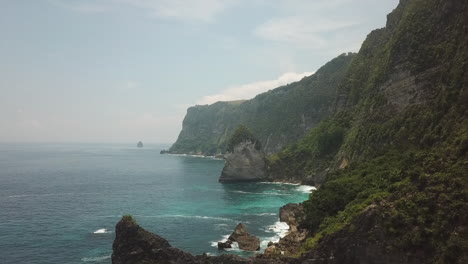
(102, 231)
(306, 188)
(95, 259)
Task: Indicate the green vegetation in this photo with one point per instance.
(242, 134)
(129, 218)
(395, 150)
(310, 154)
(278, 117)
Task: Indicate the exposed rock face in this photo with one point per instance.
(292, 214)
(242, 237)
(272, 251)
(245, 163)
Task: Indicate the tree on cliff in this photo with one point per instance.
(242, 134)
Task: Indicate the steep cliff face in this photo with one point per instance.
(278, 117)
(391, 161)
(406, 88)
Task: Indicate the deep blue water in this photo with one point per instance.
(57, 199)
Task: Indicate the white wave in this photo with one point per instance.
(223, 240)
(102, 231)
(280, 229)
(262, 214)
(259, 193)
(280, 183)
(234, 247)
(306, 188)
(189, 216)
(95, 259)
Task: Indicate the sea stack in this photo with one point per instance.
(242, 237)
(244, 161)
(140, 144)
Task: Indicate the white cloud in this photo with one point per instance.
(302, 31)
(250, 90)
(190, 10)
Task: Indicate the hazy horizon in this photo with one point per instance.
(122, 71)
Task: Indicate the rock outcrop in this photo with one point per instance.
(245, 163)
(135, 245)
(242, 237)
(293, 215)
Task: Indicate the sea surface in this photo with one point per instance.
(59, 203)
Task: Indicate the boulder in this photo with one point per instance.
(223, 245)
(242, 237)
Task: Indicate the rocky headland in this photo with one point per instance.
(134, 245)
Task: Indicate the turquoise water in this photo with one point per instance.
(59, 203)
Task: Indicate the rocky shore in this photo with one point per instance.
(135, 245)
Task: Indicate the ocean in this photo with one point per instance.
(59, 203)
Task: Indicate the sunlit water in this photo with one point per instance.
(59, 203)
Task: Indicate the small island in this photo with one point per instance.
(140, 144)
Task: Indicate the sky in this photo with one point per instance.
(127, 70)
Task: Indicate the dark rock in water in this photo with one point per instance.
(244, 163)
(164, 151)
(135, 245)
(140, 144)
(242, 237)
(223, 245)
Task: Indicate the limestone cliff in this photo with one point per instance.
(278, 117)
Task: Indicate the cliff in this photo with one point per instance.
(278, 117)
(391, 160)
(405, 89)
(390, 156)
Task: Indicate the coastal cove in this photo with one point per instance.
(60, 202)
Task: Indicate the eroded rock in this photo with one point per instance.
(245, 163)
